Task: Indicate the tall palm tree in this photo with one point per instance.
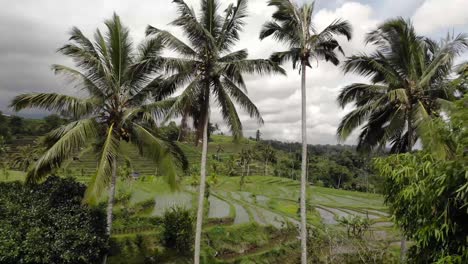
(214, 71)
(292, 25)
(118, 83)
(409, 85)
(409, 75)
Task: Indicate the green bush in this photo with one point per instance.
(46, 223)
(178, 230)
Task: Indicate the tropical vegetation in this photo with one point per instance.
(140, 113)
(292, 25)
(218, 74)
(121, 104)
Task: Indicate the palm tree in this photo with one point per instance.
(409, 75)
(119, 84)
(24, 157)
(213, 70)
(292, 25)
(267, 154)
(3, 147)
(219, 149)
(245, 156)
(408, 88)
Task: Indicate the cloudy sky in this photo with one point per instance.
(31, 31)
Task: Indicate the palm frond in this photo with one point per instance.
(119, 48)
(162, 152)
(258, 66)
(103, 175)
(199, 36)
(228, 110)
(93, 87)
(293, 55)
(171, 41)
(186, 99)
(235, 56)
(337, 28)
(54, 102)
(69, 138)
(232, 25)
(360, 92)
(353, 120)
(242, 99)
(146, 64)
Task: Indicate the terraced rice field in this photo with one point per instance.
(269, 201)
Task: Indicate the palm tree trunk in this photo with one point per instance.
(243, 169)
(183, 128)
(110, 202)
(403, 247)
(303, 168)
(201, 193)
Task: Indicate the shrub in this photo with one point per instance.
(46, 223)
(178, 230)
(355, 225)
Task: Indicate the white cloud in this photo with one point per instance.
(434, 15)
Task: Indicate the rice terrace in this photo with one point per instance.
(234, 131)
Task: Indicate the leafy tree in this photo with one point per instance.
(211, 70)
(16, 125)
(292, 25)
(408, 86)
(171, 131)
(122, 104)
(339, 174)
(231, 166)
(4, 127)
(58, 230)
(3, 147)
(258, 135)
(52, 122)
(177, 233)
(428, 193)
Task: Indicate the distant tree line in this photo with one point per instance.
(13, 126)
(335, 166)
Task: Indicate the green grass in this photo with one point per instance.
(12, 176)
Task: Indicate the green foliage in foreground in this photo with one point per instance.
(178, 230)
(46, 223)
(428, 195)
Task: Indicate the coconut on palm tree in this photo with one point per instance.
(214, 73)
(119, 85)
(292, 25)
(409, 76)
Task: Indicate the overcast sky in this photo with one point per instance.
(32, 30)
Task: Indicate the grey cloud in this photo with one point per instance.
(32, 30)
